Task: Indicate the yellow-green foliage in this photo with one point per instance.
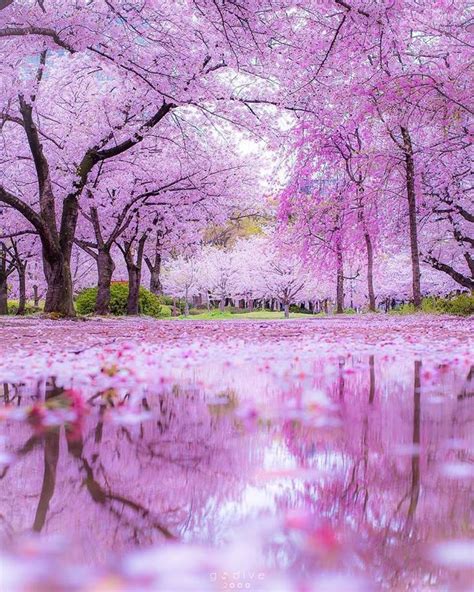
(462, 305)
(148, 303)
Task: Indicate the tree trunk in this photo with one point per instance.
(155, 279)
(222, 304)
(4, 273)
(368, 246)
(134, 269)
(372, 379)
(21, 290)
(36, 298)
(339, 283)
(3, 295)
(50, 464)
(186, 308)
(133, 289)
(415, 459)
(59, 295)
(155, 267)
(287, 310)
(105, 270)
(412, 216)
(370, 271)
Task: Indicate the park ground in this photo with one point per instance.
(132, 441)
(423, 330)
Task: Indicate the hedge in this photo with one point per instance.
(148, 303)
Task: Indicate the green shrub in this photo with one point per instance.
(168, 300)
(461, 305)
(166, 311)
(403, 309)
(13, 308)
(299, 309)
(148, 303)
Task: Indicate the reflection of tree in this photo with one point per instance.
(415, 458)
(132, 484)
(51, 455)
(467, 390)
(124, 485)
(101, 496)
(386, 440)
(340, 378)
(365, 431)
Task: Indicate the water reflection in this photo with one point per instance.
(349, 464)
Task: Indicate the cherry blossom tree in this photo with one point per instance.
(180, 279)
(392, 108)
(76, 103)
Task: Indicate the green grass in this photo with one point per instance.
(256, 314)
(30, 309)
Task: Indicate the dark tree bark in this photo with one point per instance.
(105, 270)
(461, 279)
(286, 308)
(453, 212)
(20, 263)
(21, 269)
(6, 268)
(154, 266)
(341, 383)
(59, 294)
(36, 297)
(3, 295)
(412, 216)
(372, 379)
(134, 270)
(133, 289)
(415, 459)
(155, 277)
(339, 282)
(100, 252)
(370, 271)
(50, 464)
(51, 457)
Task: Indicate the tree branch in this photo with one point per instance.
(24, 209)
(32, 30)
(444, 267)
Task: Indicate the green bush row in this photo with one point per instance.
(462, 305)
(13, 308)
(148, 304)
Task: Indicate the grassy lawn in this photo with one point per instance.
(256, 314)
